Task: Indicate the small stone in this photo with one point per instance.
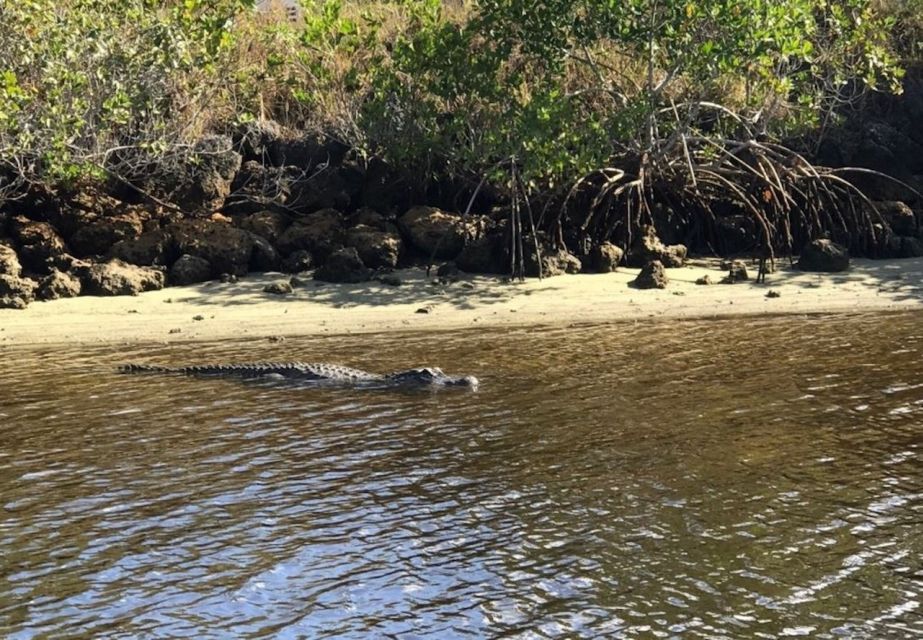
(824, 255)
(706, 280)
(279, 288)
(737, 272)
(772, 293)
(391, 280)
(228, 278)
(652, 276)
(422, 310)
(199, 317)
(606, 257)
(276, 338)
(176, 330)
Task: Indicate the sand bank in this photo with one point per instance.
(215, 311)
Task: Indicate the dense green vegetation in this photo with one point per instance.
(636, 100)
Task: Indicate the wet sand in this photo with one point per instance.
(216, 311)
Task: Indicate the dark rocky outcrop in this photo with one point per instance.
(190, 270)
(97, 237)
(377, 249)
(150, 248)
(433, 231)
(323, 189)
(911, 247)
(371, 218)
(39, 243)
(298, 261)
(605, 257)
(117, 278)
(200, 182)
(268, 224)
(652, 276)
(264, 256)
(58, 285)
(344, 265)
(321, 233)
(823, 255)
(227, 248)
(647, 247)
(487, 254)
(898, 216)
(554, 263)
(16, 292)
(9, 261)
(258, 187)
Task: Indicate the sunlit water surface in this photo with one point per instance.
(713, 479)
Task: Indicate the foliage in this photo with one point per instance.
(84, 76)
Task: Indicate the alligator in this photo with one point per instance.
(312, 371)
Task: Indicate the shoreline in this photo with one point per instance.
(216, 311)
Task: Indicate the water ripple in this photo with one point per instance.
(755, 478)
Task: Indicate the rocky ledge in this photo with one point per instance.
(265, 199)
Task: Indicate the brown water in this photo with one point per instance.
(722, 479)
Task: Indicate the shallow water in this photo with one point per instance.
(714, 479)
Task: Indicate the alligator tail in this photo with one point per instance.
(143, 368)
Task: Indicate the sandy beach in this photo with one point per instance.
(216, 311)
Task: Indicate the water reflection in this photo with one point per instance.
(748, 478)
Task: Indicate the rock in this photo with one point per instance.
(652, 276)
(258, 187)
(772, 293)
(391, 280)
(325, 189)
(29, 232)
(254, 140)
(911, 247)
(823, 255)
(280, 288)
(190, 270)
(198, 182)
(117, 278)
(226, 248)
(899, 217)
(884, 148)
(97, 238)
(429, 229)
(264, 256)
(9, 261)
(487, 254)
(298, 261)
(227, 278)
(39, 243)
(605, 257)
(705, 280)
(58, 285)
(554, 263)
(448, 272)
(150, 248)
(16, 292)
(343, 266)
(647, 247)
(370, 218)
(737, 272)
(268, 224)
(321, 233)
(377, 249)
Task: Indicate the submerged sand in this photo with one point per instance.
(215, 311)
